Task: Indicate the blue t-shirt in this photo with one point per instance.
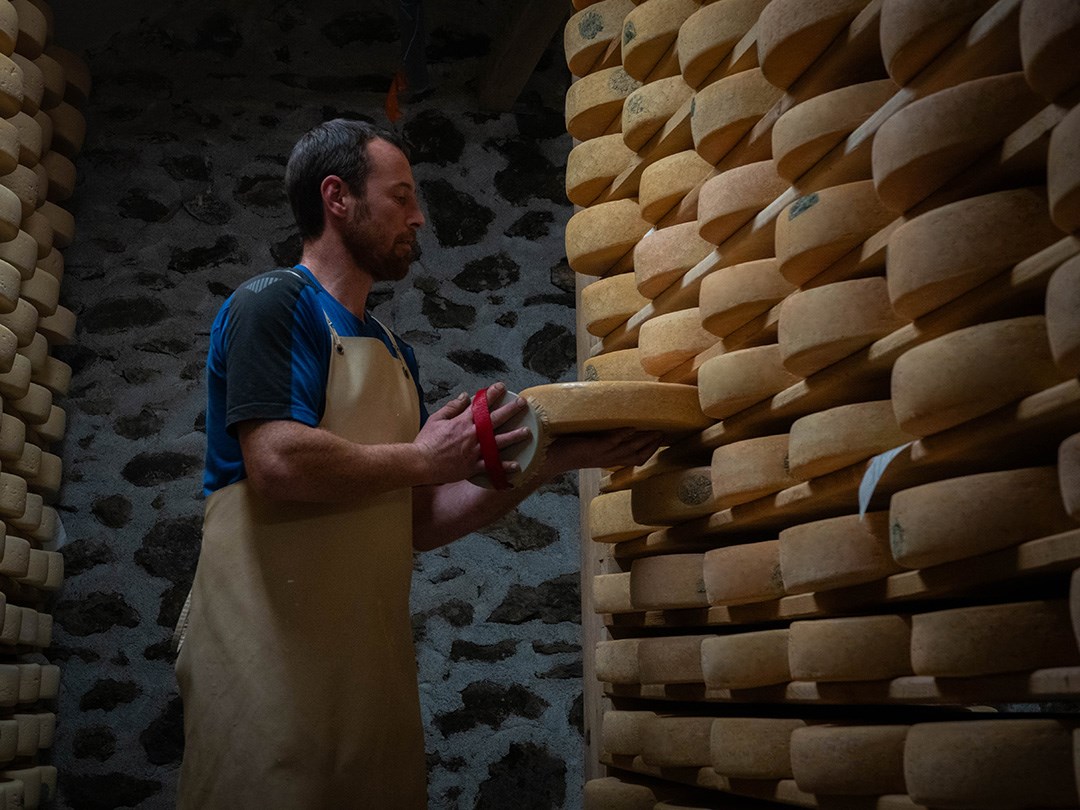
(269, 358)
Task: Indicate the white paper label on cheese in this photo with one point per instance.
(873, 474)
(61, 539)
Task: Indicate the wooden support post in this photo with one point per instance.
(517, 51)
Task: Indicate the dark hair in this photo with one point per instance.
(337, 147)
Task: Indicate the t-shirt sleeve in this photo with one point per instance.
(276, 352)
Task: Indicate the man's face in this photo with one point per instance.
(381, 234)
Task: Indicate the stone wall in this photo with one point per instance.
(179, 201)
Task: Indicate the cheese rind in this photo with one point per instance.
(862, 648)
(1062, 321)
(608, 302)
(598, 237)
(611, 519)
(793, 33)
(746, 660)
(1048, 34)
(671, 659)
(1063, 172)
(611, 593)
(709, 34)
(974, 514)
(610, 793)
(937, 256)
(751, 469)
(618, 366)
(743, 574)
(595, 102)
(668, 582)
(830, 440)
(622, 732)
(663, 257)
(915, 31)
(589, 32)
(677, 742)
(617, 661)
(592, 166)
(733, 382)
(667, 340)
(836, 552)
(993, 639)
(727, 109)
(825, 324)
(665, 183)
(672, 497)
(647, 110)
(964, 374)
(1069, 474)
(733, 198)
(1010, 763)
(574, 407)
(649, 31)
(736, 295)
(753, 747)
(863, 760)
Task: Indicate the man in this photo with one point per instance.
(323, 474)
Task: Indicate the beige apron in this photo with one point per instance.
(297, 672)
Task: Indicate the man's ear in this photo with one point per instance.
(333, 191)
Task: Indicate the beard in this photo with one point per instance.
(364, 245)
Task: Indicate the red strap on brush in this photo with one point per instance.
(485, 434)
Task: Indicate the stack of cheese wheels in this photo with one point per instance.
(42, 130)
(850, 228)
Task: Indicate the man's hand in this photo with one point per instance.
(448, 438)
(613, 448)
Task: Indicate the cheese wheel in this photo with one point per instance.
(52, 263)
(677, 742)
(44, 631)
(743, 574)
(993, 639)
(42, 183)
(11, 682)
(832, 439)
(916, 31)
(649, 31)
(620, 366)
(1063, 172)
(11, 92)
(733, 382)
(37, 570)
(727, 109)
(76, 72)
(964, 374)
(668, 582)
(648, 109)
(751, 469)
(623, 732)
(55, 577)
(667, 340)
(29, 682)
(24, 182)
(1068, 472)
(671, 659)
(48, 479)
(733, 198)
(1048, 34)
(669, 498)
(42, 291)
(610, 793)
(575, 407)
(663, 257)
(793, 33)
(30, 518)
(745, 660)
(29, 734)
(46, 126)
(61, 176)
(937, 256)
(50, 681)
(592, 166)
(840, 760)
(665, 183)
(59, 327)
(12, 437)
(928, 142)
(8, 346)
(825, 324)
(36, 225)
(836, 553)
(753, 747)
(33, 29)
(617, 661)
(862, 648)
(594, 103)
(46, 729)
(819, 228)
(20, 253)
(589, 32)
(62, 222)
(16, 558)
(611, 593)
(29, 135)
(52, 429)
(31, 781)
(9, 628)
(598, 237)
(22, 321)
(1063, 316)
(46, 529)
(10, 147)
(69, 129)
(608, 302)
(35, 405)
(28, 464)
(10, 213)
(33, 83)
(1010, 763)
(735, 295)
(974, 514)
(710, 33)
(15, 384)
(52, 73)
(10, 285)
(807, 132)
(9, 28)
